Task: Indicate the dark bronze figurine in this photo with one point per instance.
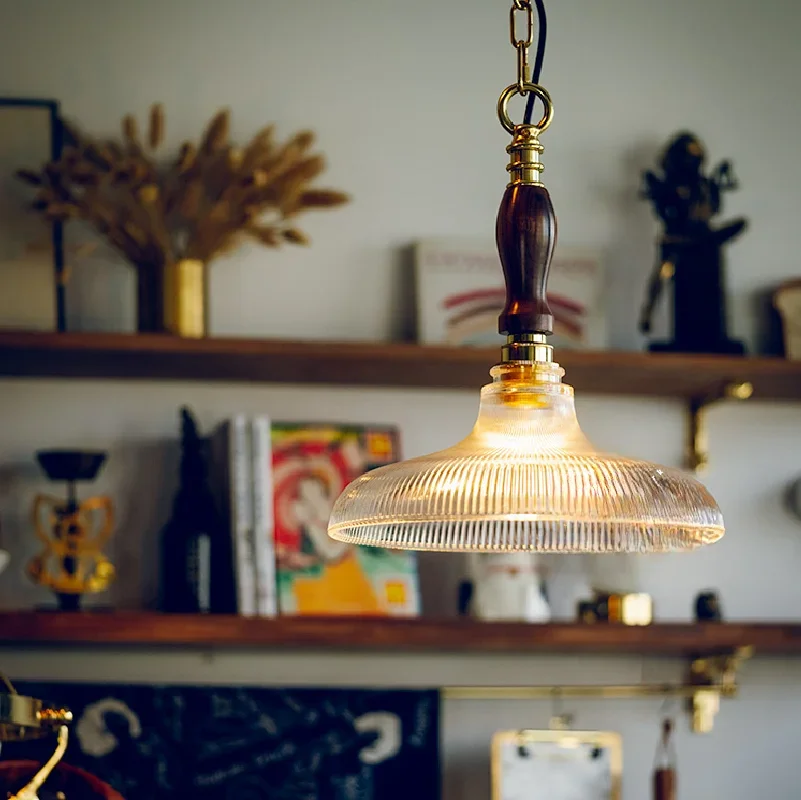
(690, 249)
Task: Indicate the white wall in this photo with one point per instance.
(402, 96)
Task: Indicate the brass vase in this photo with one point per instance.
(172, 298)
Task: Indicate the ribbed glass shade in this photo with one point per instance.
(526, 478)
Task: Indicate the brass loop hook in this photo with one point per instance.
(513, 89)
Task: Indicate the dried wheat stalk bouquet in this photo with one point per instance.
(199, 205)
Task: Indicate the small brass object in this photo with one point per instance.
(626, 609)
(527, 347)
(524, 156)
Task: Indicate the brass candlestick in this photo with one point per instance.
(73, 532)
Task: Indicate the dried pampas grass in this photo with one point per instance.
(200, 204)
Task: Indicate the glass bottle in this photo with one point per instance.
(197, 562)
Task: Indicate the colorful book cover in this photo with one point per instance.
(312, 464)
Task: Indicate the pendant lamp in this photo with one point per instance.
(526, 477)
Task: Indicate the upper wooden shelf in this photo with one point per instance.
(101, 356)
(410, 635)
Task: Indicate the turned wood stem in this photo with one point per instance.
(526, 236)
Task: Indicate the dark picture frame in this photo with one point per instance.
(160, 742)
(51, 107)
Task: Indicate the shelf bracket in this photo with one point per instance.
(697, 442)
(710, 678)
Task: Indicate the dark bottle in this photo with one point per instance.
(197, 562)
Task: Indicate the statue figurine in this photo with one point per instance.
(689, 250)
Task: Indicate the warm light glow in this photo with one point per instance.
(526, 478)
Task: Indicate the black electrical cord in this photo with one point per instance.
(542, 32)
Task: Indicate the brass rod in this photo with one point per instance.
(589, 691)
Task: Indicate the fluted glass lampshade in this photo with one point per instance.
(526, 478)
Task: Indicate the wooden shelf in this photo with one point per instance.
(412, 635)
(122, 356)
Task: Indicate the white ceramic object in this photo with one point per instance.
(507, 586)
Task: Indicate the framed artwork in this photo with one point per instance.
(556, 765)
(460, 293)
(31, 250)
(215, 743)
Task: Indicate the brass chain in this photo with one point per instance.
(522, 45)
(523, 85)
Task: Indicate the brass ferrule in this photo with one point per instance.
(54, 717)
(529, 347)
(524, 156)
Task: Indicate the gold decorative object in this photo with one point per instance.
(526, 478)
(73, 533)
(170, 219)
(633, 608)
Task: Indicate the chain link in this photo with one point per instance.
(522, 45)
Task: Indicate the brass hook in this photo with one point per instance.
(697, 442)
(559, 720)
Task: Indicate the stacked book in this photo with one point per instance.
(277, 484)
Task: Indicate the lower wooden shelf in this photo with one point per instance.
(144, 629)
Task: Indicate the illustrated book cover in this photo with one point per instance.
(312, 464)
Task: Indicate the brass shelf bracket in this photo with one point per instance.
(697, 440)
(713, 677)
(710, 679)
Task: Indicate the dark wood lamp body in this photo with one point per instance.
(526, 237)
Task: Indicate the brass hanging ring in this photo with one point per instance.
(510, 91)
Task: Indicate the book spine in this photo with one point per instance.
(263, 527)
(239, 455)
